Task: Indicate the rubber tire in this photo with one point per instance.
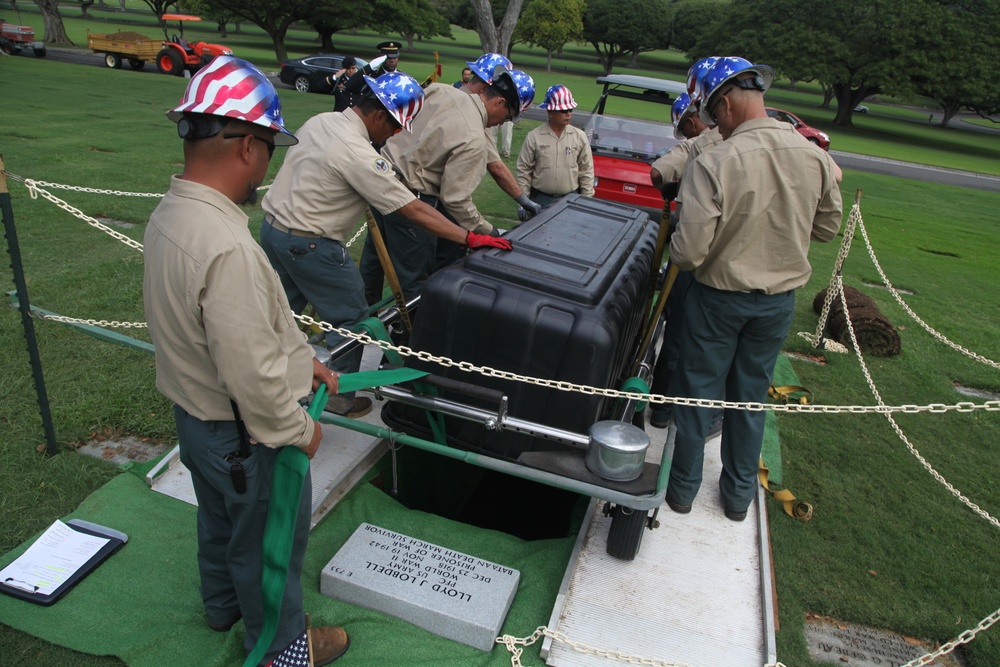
(168, 61)
(302, 84)
(136, 64)
(625, 533)
(113, 60)
(8, 49)
(40, 52)
(814, 141)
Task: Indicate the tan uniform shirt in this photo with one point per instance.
(671, 165)
(751, 206)
(220, 320)
(445, 154)
(556, 165)
(328, 179)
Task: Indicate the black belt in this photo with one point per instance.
(535, 191)
(271, 220)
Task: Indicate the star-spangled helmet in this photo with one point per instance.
(400, 94)
(678, 112)
(724, 71)
(524, 85)
(558, 98)
(234, 88)
(485, 66)
(696, 75)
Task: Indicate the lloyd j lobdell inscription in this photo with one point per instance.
(841, 643)
(457, 596)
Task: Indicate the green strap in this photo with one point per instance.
(290, 469)
(638, 386)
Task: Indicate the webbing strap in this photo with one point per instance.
(796, 509)
(290, 469)
(784, 393)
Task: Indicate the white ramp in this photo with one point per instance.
(699, 592)
(344, 457)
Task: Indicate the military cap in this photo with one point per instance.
(390, 49)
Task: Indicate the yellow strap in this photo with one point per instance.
(796, 509)
(784, 393)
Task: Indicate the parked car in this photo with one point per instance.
(309, 74)
(624, 148)
(821, 139)
(861, 108)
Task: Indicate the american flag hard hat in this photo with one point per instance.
(558, 98)
(401, 95)
(234, 88)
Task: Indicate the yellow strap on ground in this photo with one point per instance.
(784, 393)
(794, 508)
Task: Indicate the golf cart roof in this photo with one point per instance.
(661, 91)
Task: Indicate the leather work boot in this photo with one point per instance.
(359, 407)
(328, 643)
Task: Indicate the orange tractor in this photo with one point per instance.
(13, 38)
(173, 55)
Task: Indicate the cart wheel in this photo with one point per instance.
(168, 61)
(113, 60)
(625, 534)
(302, 84)
(135, 63)
(40, 52)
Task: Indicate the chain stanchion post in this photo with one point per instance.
(24, 306)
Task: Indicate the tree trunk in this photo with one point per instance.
(84, 6)
(548, 61)
(55, 31)
(827, 96)
(325, 41)
(496, 39)
(950, 111)
(409, 41)
(847, 99)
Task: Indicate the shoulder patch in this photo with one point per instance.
(381, 166)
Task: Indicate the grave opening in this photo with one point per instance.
(484, 498)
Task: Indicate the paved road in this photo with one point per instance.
(855, 161)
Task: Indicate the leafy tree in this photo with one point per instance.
(550, 24)
(222, 18)
(335, 16)
(494, 37)
(643, 26)
(690, 20)
(52, 23)
(409, 18)
(274, 17)
(956, 69)
(160, 7)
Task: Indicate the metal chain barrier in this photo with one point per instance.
(34, 190)
(963, 638)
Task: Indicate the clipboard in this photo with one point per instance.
(115, 540)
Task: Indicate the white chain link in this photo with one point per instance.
(963, 638)
(114, 324)
(34, 190)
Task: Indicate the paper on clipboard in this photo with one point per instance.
(53, 558)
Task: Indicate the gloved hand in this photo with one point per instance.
(474, 240)
(531, 209)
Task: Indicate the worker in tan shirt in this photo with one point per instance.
(320, 194)
(555, 158)
(752, 204)
(482, 71)
(228, 350)
(442, 161)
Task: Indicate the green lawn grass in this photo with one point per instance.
(888, 545)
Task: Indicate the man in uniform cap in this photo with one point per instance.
(387, 62)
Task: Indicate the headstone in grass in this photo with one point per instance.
(840, 643)
(454, 595)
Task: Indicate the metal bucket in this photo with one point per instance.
(616, 451)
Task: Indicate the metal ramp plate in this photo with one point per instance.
(699, 592)
(342, 460)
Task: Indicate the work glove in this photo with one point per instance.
(474, 240)
(531, 209)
